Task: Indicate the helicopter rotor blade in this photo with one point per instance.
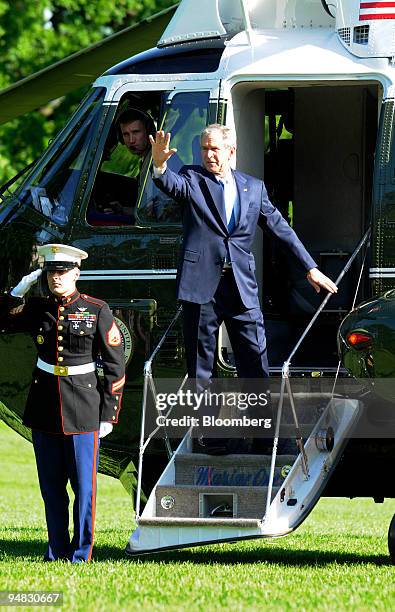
(82, 67)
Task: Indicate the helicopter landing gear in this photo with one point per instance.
(391, 540)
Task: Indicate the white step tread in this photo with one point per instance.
(196, 522)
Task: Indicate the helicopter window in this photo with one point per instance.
(124, 192)
(125, 157)
(185, 118)
(193, 57)
(52, 191)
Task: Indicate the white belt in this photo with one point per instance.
(60, 370)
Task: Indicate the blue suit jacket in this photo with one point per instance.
(206, 236)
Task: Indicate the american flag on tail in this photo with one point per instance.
(381, 9)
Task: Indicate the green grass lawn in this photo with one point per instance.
(337, 560)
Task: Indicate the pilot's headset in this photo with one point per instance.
(135, 114)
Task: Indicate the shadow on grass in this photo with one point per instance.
(35, 547)
(280, 556)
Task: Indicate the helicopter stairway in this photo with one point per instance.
(202, 499)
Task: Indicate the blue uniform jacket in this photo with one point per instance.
(69, 331)
(206, 236)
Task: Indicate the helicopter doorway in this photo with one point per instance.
(314, 148)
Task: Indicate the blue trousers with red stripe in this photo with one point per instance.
(61, 458)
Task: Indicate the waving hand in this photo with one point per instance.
(160, 149)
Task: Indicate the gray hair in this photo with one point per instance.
(228, 134)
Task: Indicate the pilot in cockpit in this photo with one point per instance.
(115, 194)
(134, 128)
(124, 182)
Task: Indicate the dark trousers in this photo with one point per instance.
(245, 328)
(62, 458)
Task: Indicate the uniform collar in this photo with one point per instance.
(67, 299)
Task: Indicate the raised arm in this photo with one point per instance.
(172, 183)
(14, 312)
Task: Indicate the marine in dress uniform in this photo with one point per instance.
(68, 407)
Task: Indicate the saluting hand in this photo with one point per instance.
(319, 280)
(160, 149)
(26, 283)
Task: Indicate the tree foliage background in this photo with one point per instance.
(37, 33)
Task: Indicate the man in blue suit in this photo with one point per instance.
(216, 277)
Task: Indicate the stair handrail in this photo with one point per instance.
(285, 378)
(149, 384)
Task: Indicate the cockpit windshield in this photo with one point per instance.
(51, 187)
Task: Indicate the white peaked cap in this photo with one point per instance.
(61, 256)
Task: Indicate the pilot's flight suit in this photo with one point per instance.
(65, 406)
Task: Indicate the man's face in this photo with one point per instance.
(135, 137)
(62, 282)
(216, 155)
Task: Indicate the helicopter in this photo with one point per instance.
(308, 87)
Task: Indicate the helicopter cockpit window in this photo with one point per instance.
(185, 119)
(124, 192)
(52, 189)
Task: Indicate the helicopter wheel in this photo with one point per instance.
(391, 540)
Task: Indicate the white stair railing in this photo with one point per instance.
(286, 384)
(149, 386)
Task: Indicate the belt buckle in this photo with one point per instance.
(61, 370)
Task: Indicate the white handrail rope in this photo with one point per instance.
(141, 446)
(274, 451)
(285, 377)
(152, 434)
(328, 296)
(149, 382)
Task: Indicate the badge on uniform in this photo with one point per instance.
(114, 336)
(40, 339)
(85, 317)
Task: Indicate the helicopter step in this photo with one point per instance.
(225, 523)
(232, 485)
(227, 470)
(209, 486)
(209, 502)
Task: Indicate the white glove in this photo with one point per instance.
(105, 429)
(24, 285)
